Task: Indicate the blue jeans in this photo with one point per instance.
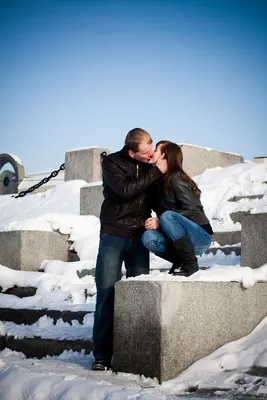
(113, 250)
(172, 227)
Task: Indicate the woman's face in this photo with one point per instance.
(156, 155)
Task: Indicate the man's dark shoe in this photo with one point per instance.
(99, 365)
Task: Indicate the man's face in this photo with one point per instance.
(144, 154)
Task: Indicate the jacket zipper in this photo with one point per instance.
(137, 174)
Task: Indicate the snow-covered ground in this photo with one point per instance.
(237, 367)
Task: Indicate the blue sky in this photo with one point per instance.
(79, 73)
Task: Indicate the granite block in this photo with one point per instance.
(163, 327)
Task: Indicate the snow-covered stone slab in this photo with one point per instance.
(163, 327)
(25, 250)
(254, 240)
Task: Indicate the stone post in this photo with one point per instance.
(84, 164)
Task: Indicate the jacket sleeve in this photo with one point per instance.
(123, 185)
(185, 198)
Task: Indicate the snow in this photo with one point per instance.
(96, 183)
(233, 367)
(33, 179)
(83, 148)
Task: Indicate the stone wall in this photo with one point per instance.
(197, 159)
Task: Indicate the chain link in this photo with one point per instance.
(102, 155)
(42, 182)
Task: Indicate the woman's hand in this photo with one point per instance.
(162, 163)
(152, 223)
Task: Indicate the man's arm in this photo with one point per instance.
(124, 186)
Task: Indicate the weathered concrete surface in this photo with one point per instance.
(227, 238)
(25, 250)
(91, 198)
(197, 159)
(84, 164)
(239, 216)
(254, 240)
(161, 328)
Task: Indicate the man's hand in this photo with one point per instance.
(152, 223)
(162, 164)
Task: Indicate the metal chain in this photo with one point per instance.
(42, 182)
(102, 155)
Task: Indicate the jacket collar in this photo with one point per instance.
(123, 152)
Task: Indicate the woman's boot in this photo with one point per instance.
(185, 252)
(170, 255)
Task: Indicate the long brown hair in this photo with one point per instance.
(174, 156)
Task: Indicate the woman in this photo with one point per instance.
(181, 229)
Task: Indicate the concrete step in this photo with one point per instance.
(30, 291)
(224, 238)
(249, 197)
(43, 337)
(227, 250)
(20, 291)
(239, 216)
(30, 316)
(39, 347)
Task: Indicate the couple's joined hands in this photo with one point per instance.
(152, 223)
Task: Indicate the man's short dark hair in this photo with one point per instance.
(135, 137)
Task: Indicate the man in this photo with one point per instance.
(126, 178)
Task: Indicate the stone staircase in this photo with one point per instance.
(22, 329)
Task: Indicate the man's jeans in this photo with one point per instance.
(172, 227)
(113, 250)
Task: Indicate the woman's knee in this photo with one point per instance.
(147, 237)
(150, 240)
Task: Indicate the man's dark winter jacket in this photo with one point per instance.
(125, 188)
(180, 198)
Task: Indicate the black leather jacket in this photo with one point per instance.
(180, 198)
(125, 188)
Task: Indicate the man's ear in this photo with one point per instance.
(131, 153)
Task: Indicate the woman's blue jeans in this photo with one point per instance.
(113, 250)
(172, 227)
